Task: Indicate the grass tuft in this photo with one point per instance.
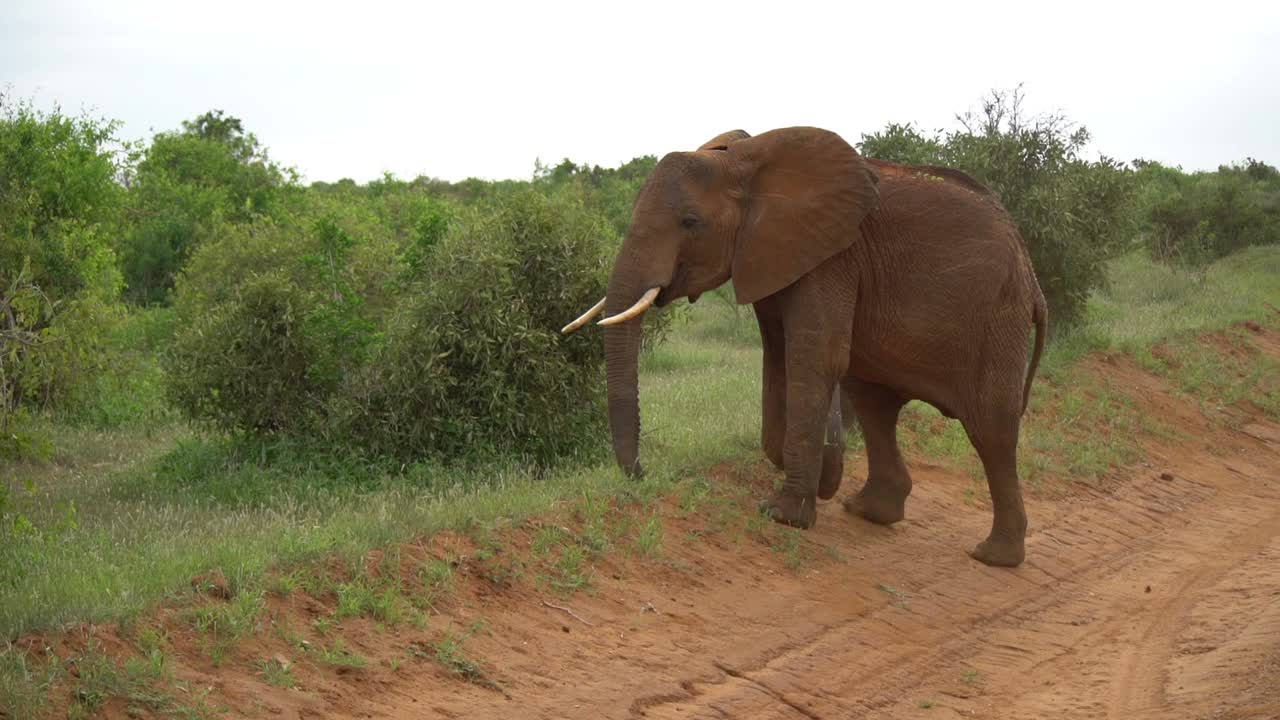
(276, 673)
(337, 655)
(449, 653)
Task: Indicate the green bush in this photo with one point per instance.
(608, 192)
(1075, 214)
(438, 341)
(408, 213)
(1193, 219)
(273, 315)
(243, 364)
(129, 389)
(186, 185)
(474, 363)
(59, 280)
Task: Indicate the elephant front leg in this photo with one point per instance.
(811, 381)
(773, 421)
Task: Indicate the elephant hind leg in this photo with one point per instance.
(996, 440)
(883, 498)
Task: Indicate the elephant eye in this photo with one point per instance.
(688, 222)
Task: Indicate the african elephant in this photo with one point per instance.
(880, 282)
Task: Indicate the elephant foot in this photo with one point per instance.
(999, 552)
(776, 459)
(786, 509)
(832, 470)
(878, 508)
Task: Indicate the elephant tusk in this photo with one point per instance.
(638, 309)
(585, 317)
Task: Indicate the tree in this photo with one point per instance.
(1192, 219)
(1073, 213)
(185, 186)
(59, 279)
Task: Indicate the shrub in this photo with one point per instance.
(273, 315)
(1073, 213)
(186, 185)
(244, 363)
(608, 192)
(59, 281)
(129, 388)
(904, 144)
(294, 328)
(1193, 219)
(474, 363)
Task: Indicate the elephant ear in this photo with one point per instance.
(808, 191)
(721, 141)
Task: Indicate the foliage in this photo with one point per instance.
(609, 192)
(59, 282)
(1073, 213)
(186, 184)
(292, 327)
(413, 215)
(1194, 218)
(273, 315)
(244, 363)
(129, 390)
(904, 144)
(474, 362)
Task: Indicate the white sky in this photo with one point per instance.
(469, 88)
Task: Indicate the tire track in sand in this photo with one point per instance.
(1075, 633)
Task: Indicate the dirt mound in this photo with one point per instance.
(1151, 595)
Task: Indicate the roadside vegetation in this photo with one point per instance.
(216, 383)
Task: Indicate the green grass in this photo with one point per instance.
(323, 625)
(548, 537)
(571, 570)
(900, 599)
(224, 624)
(1147, 302)
(337, 655)
(594, 513)
(275, 673)
(449, 653)
(1217, 379)
(100, 680)
(790, 543)
(649, 537)
(436, 576)
(144, 683)
(25, 680)
(154, 509)
(360, 598)
(123, 518)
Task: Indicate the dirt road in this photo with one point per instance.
(1153, 595)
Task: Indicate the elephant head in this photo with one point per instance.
(761, 210)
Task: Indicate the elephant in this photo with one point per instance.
(873, 284)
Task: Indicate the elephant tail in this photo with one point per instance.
(1039, 316)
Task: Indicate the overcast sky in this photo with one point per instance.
(469, 88)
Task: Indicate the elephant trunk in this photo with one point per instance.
(622, 355)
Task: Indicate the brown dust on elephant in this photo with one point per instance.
(873, 283)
